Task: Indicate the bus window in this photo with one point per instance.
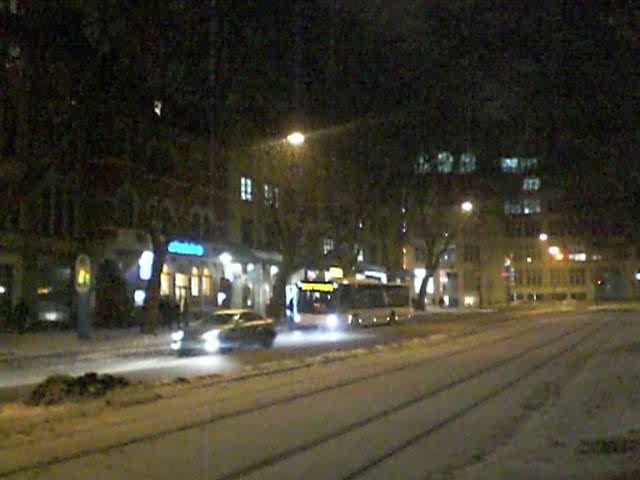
(397, 296)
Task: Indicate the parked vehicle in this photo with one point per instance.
(222, 330)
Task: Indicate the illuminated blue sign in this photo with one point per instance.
(185, 248)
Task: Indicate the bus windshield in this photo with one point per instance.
(316, 302)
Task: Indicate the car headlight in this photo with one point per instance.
(177, 336)
(51, 316)
(211, 335)
(332, 321)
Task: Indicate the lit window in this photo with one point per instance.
(270, 195)
(512, 207)
(467, 163)
(246, 189)
(195, 282)
(206, 282)
(531, 184)
(328, 245)
(165, 281)
(531, 206)
(359, 251)
(422, 164)
(509, 164)
(445, 162)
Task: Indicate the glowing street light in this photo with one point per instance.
(295, 139)
(467, 207)
(554, 250)
(543, 237)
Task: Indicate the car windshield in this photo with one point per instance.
(221, 318)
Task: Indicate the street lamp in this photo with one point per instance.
(467, 207)
(543, 237)
(295, 139)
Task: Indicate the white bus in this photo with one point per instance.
(354, 303)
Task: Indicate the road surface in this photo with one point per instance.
(453, 410)
(18, 378)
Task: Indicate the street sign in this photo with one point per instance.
(83, 274)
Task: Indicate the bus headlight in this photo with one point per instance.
(332, 321)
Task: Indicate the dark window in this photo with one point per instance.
(206, 228)
(165, 219)
(71, 214)
(58, 212)
(471, 253)
(195, 226)
(45, 211)
(247, 232)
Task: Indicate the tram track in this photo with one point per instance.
(285, 455)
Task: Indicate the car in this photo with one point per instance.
(223, 330)
(53, 314)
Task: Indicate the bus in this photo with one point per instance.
(350, 303)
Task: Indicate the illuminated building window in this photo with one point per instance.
(531, 206)
(445, 162)
(467, 163)
(509, 164)
(195, 282)
(422, 164)
(531, 184)
(270, 195)
(246, 189)
(165, 281)
(328, 245)
(206, 282)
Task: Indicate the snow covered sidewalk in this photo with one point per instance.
(49, 345)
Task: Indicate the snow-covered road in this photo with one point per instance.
(518, 401)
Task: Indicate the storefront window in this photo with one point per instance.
(195, 282)
(165, 281)
(206, 282)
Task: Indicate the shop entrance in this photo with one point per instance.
(182, 290)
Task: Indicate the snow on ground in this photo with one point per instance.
(153, 407)
(592, 426)
(597, 411)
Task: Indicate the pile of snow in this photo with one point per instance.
(61, 388)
